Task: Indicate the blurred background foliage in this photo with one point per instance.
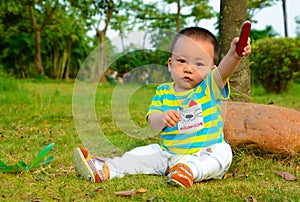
(52, 38)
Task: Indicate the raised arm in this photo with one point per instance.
(230, 62)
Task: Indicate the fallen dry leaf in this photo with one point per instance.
(285, 175)
(141, 190)
(244, 175)
(151, 197)
(227, 175)
(131, 192)
(126, 193)
(98, 189)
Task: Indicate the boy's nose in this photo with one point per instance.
(188, 68)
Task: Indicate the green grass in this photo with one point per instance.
(34, 114)
(290, 99)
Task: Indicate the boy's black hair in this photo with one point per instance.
(198, 33)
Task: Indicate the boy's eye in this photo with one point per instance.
(181, 60)
(199, 64)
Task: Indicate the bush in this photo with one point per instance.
(274, 62)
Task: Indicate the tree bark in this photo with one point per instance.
(178, 16)
(99, 69)
(68, 65)
(38, 66)
(233, 13)
(285, 18)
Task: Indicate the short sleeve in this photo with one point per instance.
(156, 103)
(217, 93)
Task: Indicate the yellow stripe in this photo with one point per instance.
(156, 103)
(204, 99)
(185, 151)
(164, 91)
(173, 132)
(208, 111)
(211, 124)
(154, 110)
(194, 139)
(170, 103)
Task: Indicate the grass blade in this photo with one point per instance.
(44, 162)
(41, 155)
(19, 167)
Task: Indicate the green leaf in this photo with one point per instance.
(46, 161)
(23, 166)
(41, 155)
(19, 167)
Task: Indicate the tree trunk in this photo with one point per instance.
(178, 16)
(99, 68)
(233, 13)
(68, 65)
(284, 18)
(38, 66)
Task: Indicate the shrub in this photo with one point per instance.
(274, 62)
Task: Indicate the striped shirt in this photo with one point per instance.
(209, 97)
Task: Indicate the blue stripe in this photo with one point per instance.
(206, 105)
(169, 97)
(156, 98)
(164, 86)
(211, 117)
(193, 145)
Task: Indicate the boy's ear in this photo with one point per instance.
(169, 64)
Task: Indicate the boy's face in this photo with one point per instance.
(190, 63)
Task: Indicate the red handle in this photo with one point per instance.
(243, 38)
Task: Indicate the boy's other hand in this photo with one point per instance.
(171, 118)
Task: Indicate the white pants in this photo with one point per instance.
(209, 163)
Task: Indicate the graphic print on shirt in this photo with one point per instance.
(191, 118)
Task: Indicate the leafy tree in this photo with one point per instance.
(15, 38)
(198, 11)
(163, 22)
(65, 43)
(259, 34)
(98, 14)
(41, 13)
(255, 6)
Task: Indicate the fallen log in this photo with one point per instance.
(266, 127)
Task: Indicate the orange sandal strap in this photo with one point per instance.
(100, 175)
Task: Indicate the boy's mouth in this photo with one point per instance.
(186, 78)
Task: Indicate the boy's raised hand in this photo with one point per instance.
(230, 62)
(246, 50)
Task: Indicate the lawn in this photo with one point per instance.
(37, 113)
